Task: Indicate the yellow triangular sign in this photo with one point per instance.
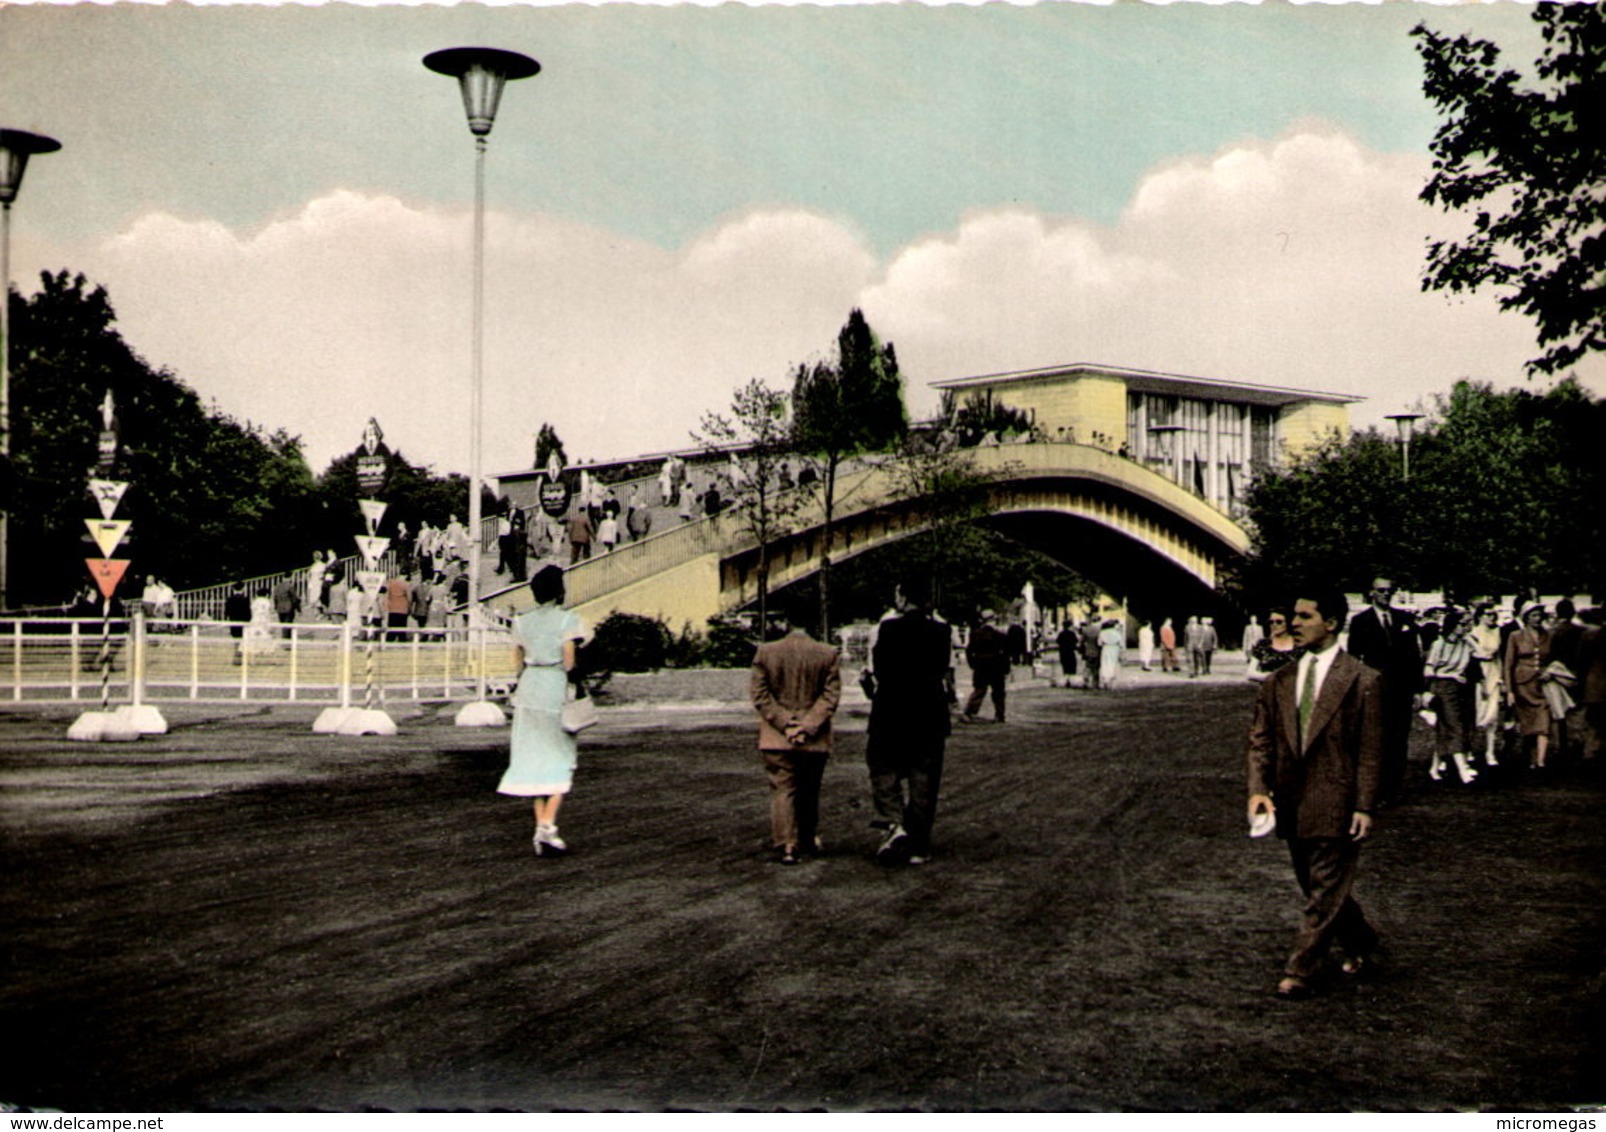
(107, 533)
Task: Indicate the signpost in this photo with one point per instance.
(373, 469)
(107, 571)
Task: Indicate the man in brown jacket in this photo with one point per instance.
(1315, 758)
(796, 684)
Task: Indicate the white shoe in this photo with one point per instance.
(547, 835)
(1436, 769)
(1463, 768)
(892, 845)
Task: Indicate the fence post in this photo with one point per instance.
(16, 660)
(345, 663)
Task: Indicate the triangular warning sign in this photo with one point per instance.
(370, 580)
(107, 572)
(373, 511)
(107, 493)
(373, 549)
(107, 533)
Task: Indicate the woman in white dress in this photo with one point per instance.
(542, 755)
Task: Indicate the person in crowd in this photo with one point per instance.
(580, 534)
(440, 602)
(1016, 635)
(1069, 643)
(1089, 632)
(1315, 762)
(1527, 653)
(1168, 647)
(541, 754)
(795, 686)
(519, 544)
(1592, 683)
(1384, 638)
(1489, 696)
(1276, 648)
(1209, 641)
(713, 504)
(1451, 676)
(418, 598)
(504, 543)
(1193, 641)
(286, 602)
(638, 517)
(666, 482)
(428, 544)
(455, 542)
(909, 725)
(1112, 644)
(1566, 632)
(339, 596)
(314, 587)
(398, 606)
(988, 657)
(1146, 646)
(237, 611)
(1253, 635)
(608, 532)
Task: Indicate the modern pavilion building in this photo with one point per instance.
(1205, 434)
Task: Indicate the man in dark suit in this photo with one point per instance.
(796, 684)
(988, 656)
(909, 725)
(1386, 640)
(1315, 754)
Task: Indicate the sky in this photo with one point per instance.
(278, 200)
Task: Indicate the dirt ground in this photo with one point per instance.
(244, 915)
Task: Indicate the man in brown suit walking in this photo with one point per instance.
(1315, 757)
(796, 684)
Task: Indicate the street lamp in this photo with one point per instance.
(481, 73)
(16, 146)
(1406, 423)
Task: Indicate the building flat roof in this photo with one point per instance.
(1149, 381)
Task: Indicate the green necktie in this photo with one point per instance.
(1307, 702)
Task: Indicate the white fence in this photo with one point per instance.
(69, 660)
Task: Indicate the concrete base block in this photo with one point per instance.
(480, 713)
(146, 719)
(363, 722)
(102, 727)
(331, 720)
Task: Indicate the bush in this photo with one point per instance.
(628, 642)
(727, 646)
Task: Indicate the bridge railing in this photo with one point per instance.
(56, 660)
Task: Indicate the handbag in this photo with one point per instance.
(579, 710)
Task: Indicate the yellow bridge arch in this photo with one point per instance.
(1122, 525)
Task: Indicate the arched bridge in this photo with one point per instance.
(1127, 528)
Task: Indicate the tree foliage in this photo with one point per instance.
(843, 410)
(759, 427)
(1504, 493)
(980, 414)
(1524, 157)
(211, 497)
(546, 444)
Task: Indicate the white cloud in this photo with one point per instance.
(1293, 261)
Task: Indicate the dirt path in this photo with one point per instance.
(245, 915)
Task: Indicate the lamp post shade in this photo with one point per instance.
(16, 146)
(481, 72)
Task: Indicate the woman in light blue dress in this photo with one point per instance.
(1112, 644)
(542, 754)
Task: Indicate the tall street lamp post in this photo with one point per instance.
(481, 72)
(1406, 423)
(16, 146)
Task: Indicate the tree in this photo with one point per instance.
(980, 414)
(758, 433)
(547, 443)
(413, 494)
(1504, 494)
(1525, 158)
(947, 493)
(842, 411)
(210, 497)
